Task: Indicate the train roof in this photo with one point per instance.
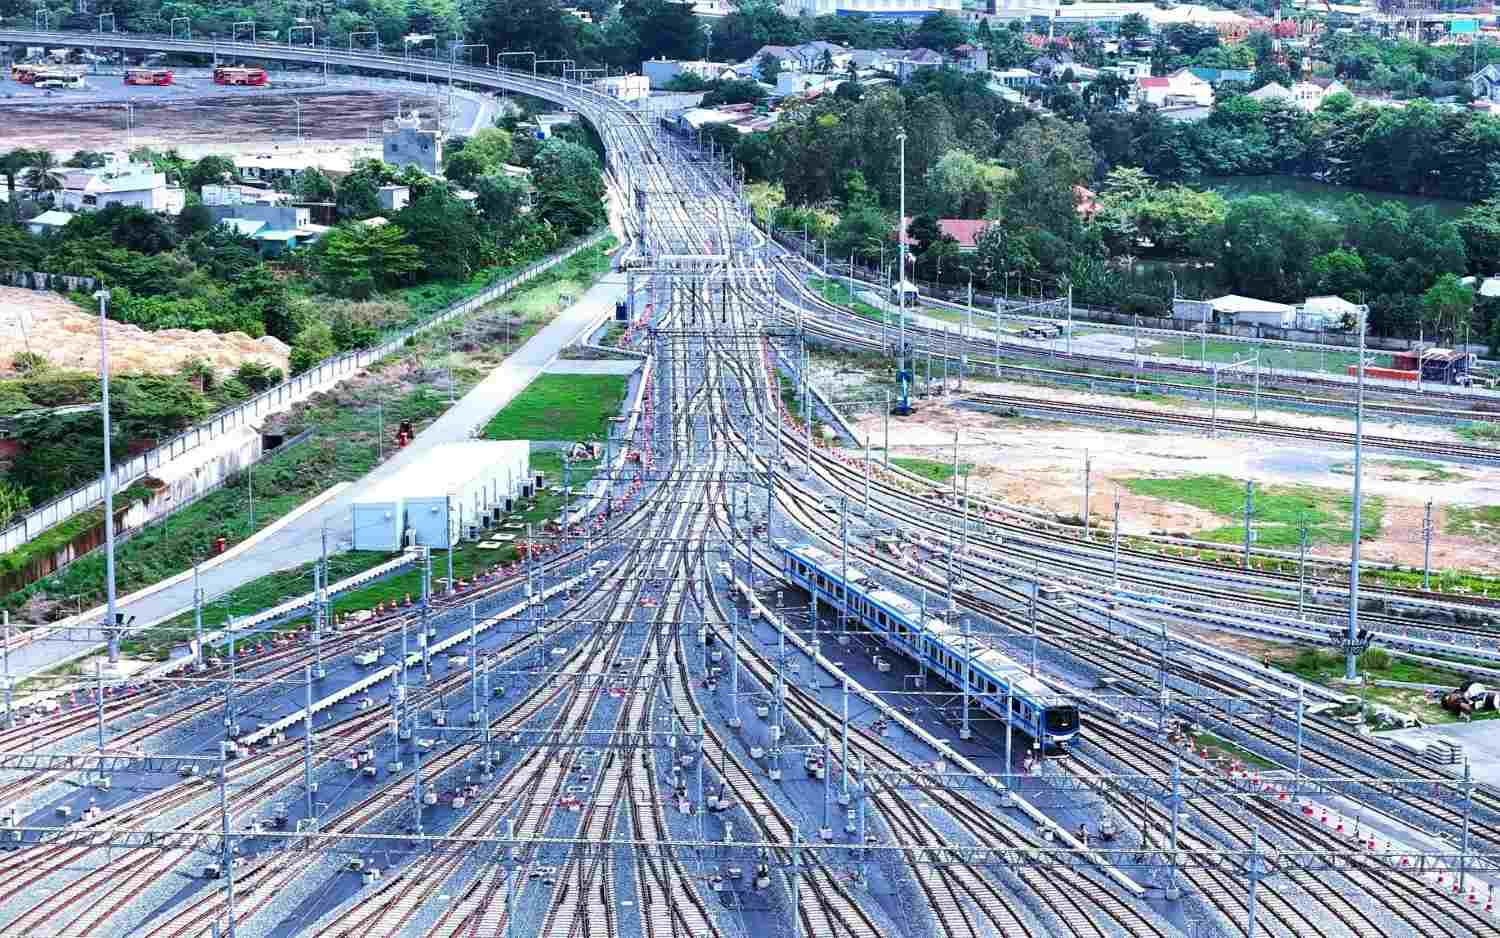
(897, 602)
(829, 563)
(1018, 678)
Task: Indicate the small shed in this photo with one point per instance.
(1248, 311)
(434, 501)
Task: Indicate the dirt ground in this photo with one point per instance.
(49, 325)
(337, 116)
(1039, 465)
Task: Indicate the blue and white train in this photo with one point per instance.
(1036, 710)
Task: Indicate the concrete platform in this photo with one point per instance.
(1479, 739)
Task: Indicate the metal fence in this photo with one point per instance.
(328, 372)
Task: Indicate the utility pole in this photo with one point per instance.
(1427, 547)
(1087, 466)
(199, 664)
(1249, 533)
(1115, 563)
(10, 717)
(112, 616)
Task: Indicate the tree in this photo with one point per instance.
(13, 500)
(44, 175)
(737, 91)
(569, 189)
(492, 146)
(313, 186)
(446, 234)
(500, 196)
(1339, 273)
(462, 167)
(357, 259)
(1480, 228)
(313, 344)
(194, 219)
(14, 163)
(1447, 305)
(86, 159)
(359, 192)
(211, 170)
(769, 68)
(1133, 26)
(1183, 222)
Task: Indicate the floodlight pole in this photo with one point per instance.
(1359, 436)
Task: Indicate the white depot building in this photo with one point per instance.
(454, 490)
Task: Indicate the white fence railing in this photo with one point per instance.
(328, 372)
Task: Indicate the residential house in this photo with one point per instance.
(275, 228)
(394, 198)
(913, 59)
(624, 87)
(48, 222)
(1275, 91)
(969, 58)
(785, 55)
(1129, 70)
(1485, 83)
(1181, 88)
(965, 231)
(660, 72)
(1017, 77)
(1216, 76)
(119, 182)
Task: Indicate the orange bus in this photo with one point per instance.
(240, 75)
(148, 76)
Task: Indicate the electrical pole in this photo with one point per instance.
(1249, 534)
(1350, 674)
(112, 616)
(1427, 547)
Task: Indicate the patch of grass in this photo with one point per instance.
(1219, 747)
(837, 291)
(1272, 356)
(1277, 512)
(1324, 666)
(1476, 521)
(934, 470)
(560, 407)
(1479, 432)
(1430, 471)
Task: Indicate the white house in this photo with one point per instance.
(49, 222)
(120, 183)
(1485, 83)
(660, 72)
(1181, 87)
(624, 87)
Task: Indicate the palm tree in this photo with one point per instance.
(45, 174)
(11, 165)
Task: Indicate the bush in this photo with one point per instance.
(1376, 659)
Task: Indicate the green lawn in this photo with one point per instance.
(1277, 513)
(934, 470)
(1271, 356)
(560, 407)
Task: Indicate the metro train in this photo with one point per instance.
(1049, 718)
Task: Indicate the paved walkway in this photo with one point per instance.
(301, 541)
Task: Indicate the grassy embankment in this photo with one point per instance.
(347, 422)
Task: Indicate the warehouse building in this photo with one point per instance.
(456, 491)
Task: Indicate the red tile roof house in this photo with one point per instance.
(965, 231)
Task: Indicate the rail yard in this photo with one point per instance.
(761, 678)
